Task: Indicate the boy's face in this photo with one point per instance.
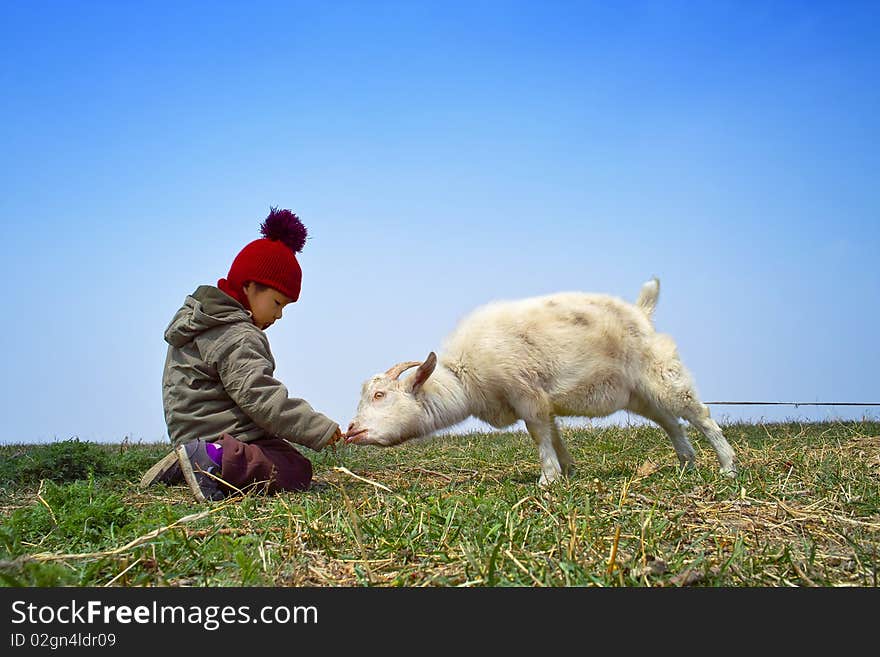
(266, 304)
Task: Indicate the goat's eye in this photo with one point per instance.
(378, 395)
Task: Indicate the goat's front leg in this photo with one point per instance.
(565, 460)
(541, 431)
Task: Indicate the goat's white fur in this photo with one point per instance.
(566, 354)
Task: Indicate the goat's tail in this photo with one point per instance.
(647, 300)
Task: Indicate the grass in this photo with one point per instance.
(462, 511)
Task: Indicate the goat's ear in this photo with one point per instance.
(425, 370)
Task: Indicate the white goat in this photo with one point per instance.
(567, 354)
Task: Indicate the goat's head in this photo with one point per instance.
(390, 411)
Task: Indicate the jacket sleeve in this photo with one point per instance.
(246, 371)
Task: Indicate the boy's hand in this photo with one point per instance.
(339, 435)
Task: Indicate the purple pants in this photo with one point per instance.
(269, 465)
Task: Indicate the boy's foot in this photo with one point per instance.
(200, 471)
(165, 471)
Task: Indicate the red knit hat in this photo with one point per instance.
(270, 260)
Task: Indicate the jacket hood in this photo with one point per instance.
(204, 309)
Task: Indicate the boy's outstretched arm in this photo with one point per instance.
(246, 372)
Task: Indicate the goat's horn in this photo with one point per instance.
(400, 368)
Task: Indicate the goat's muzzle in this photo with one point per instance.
(354, 434)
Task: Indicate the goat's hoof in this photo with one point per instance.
(686, 467)
(730, 471)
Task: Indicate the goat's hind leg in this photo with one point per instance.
(697, 414)
(668, 421)
(672, 389)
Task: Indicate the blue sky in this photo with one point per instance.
(442, 155)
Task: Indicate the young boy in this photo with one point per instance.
(231, 422)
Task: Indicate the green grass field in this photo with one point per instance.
(462, 511)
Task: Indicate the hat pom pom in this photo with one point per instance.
(284, 226)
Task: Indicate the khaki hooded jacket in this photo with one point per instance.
(219, 378)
